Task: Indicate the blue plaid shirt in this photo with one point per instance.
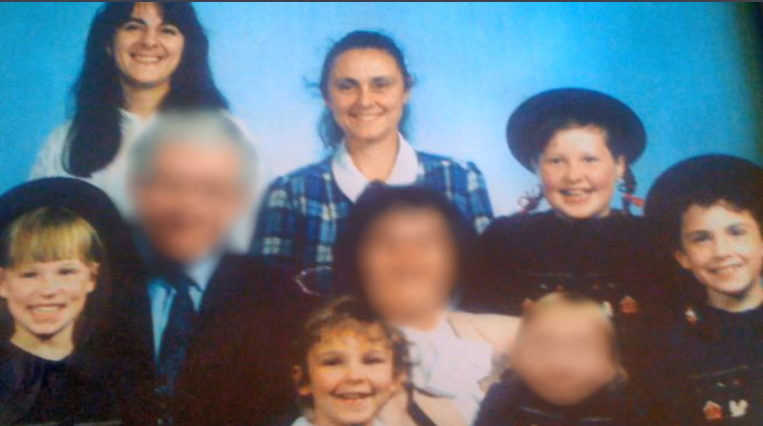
(304, 212)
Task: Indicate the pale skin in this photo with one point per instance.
(147, 52)
(565, 355)
(45, 300)
(723, 248)
(579, 174)
(367, 96)
(190, 198)
(408, 264)
(350, 378)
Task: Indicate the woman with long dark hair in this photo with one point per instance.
(140, 58)
(366, 86)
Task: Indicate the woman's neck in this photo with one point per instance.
(56, 348)
(375, 160)
(144, 102)
(423, 323)
(747, 301)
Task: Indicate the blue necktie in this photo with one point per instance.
(175, 340)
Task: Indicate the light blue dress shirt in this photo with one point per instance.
(162, 294)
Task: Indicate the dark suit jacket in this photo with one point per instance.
(236, 371)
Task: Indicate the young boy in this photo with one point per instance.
(565, 368)
(348, 364)
(711, 209)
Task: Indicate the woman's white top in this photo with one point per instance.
(351, 180)
(113, 178)
(447, 366)
(302, 421)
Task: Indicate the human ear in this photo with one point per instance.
(3, 290)
(620, 166)
(94, 272)
(682, 259)
(299, 378)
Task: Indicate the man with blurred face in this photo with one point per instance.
(200, 332)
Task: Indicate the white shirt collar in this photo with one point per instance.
(352, 182)
(302, 421)
(201, 272)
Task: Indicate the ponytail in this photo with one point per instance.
(628, 188)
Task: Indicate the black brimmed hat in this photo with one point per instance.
(701, 180)
(77, 196)
(527, 132)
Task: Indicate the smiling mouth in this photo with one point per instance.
(146, 59)
(353, 396)
(366, 117)
(576, 193)
(47, 309)
(725, 270)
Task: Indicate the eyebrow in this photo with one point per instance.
(136, 21)
(704, 230)
(143, 22)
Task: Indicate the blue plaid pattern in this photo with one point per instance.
(304, 212)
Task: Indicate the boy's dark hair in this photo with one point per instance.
(704, 181)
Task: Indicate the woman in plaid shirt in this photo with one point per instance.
(366, 86)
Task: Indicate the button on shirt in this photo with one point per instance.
(162, 295)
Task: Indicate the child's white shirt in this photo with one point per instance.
(302, 421)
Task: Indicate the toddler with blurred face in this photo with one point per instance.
(565, 369)
(348, 364)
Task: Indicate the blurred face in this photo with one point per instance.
(367, 95)
(723, 248)
(46, 298)
(564, 355)
(579, 173)
(147, 51)
(189, 200)
(351, 378)
(408, 264)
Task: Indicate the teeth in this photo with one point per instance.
(147, 59)
(351, 396)
(726, 269)
(575, 192)
(46, 309)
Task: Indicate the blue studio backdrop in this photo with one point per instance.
(691, 70)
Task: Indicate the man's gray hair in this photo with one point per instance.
(199, 127)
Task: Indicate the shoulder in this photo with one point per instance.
(304, 175)
(498, 330)
(263, 283)
(521, 223)
(50, 158)
(432, 161)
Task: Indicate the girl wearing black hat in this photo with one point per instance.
(581, 145)
(710, 211)
(54, 276)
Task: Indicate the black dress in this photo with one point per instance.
(511, 403)
(612, 260)
(38, 391)
(716, 369)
